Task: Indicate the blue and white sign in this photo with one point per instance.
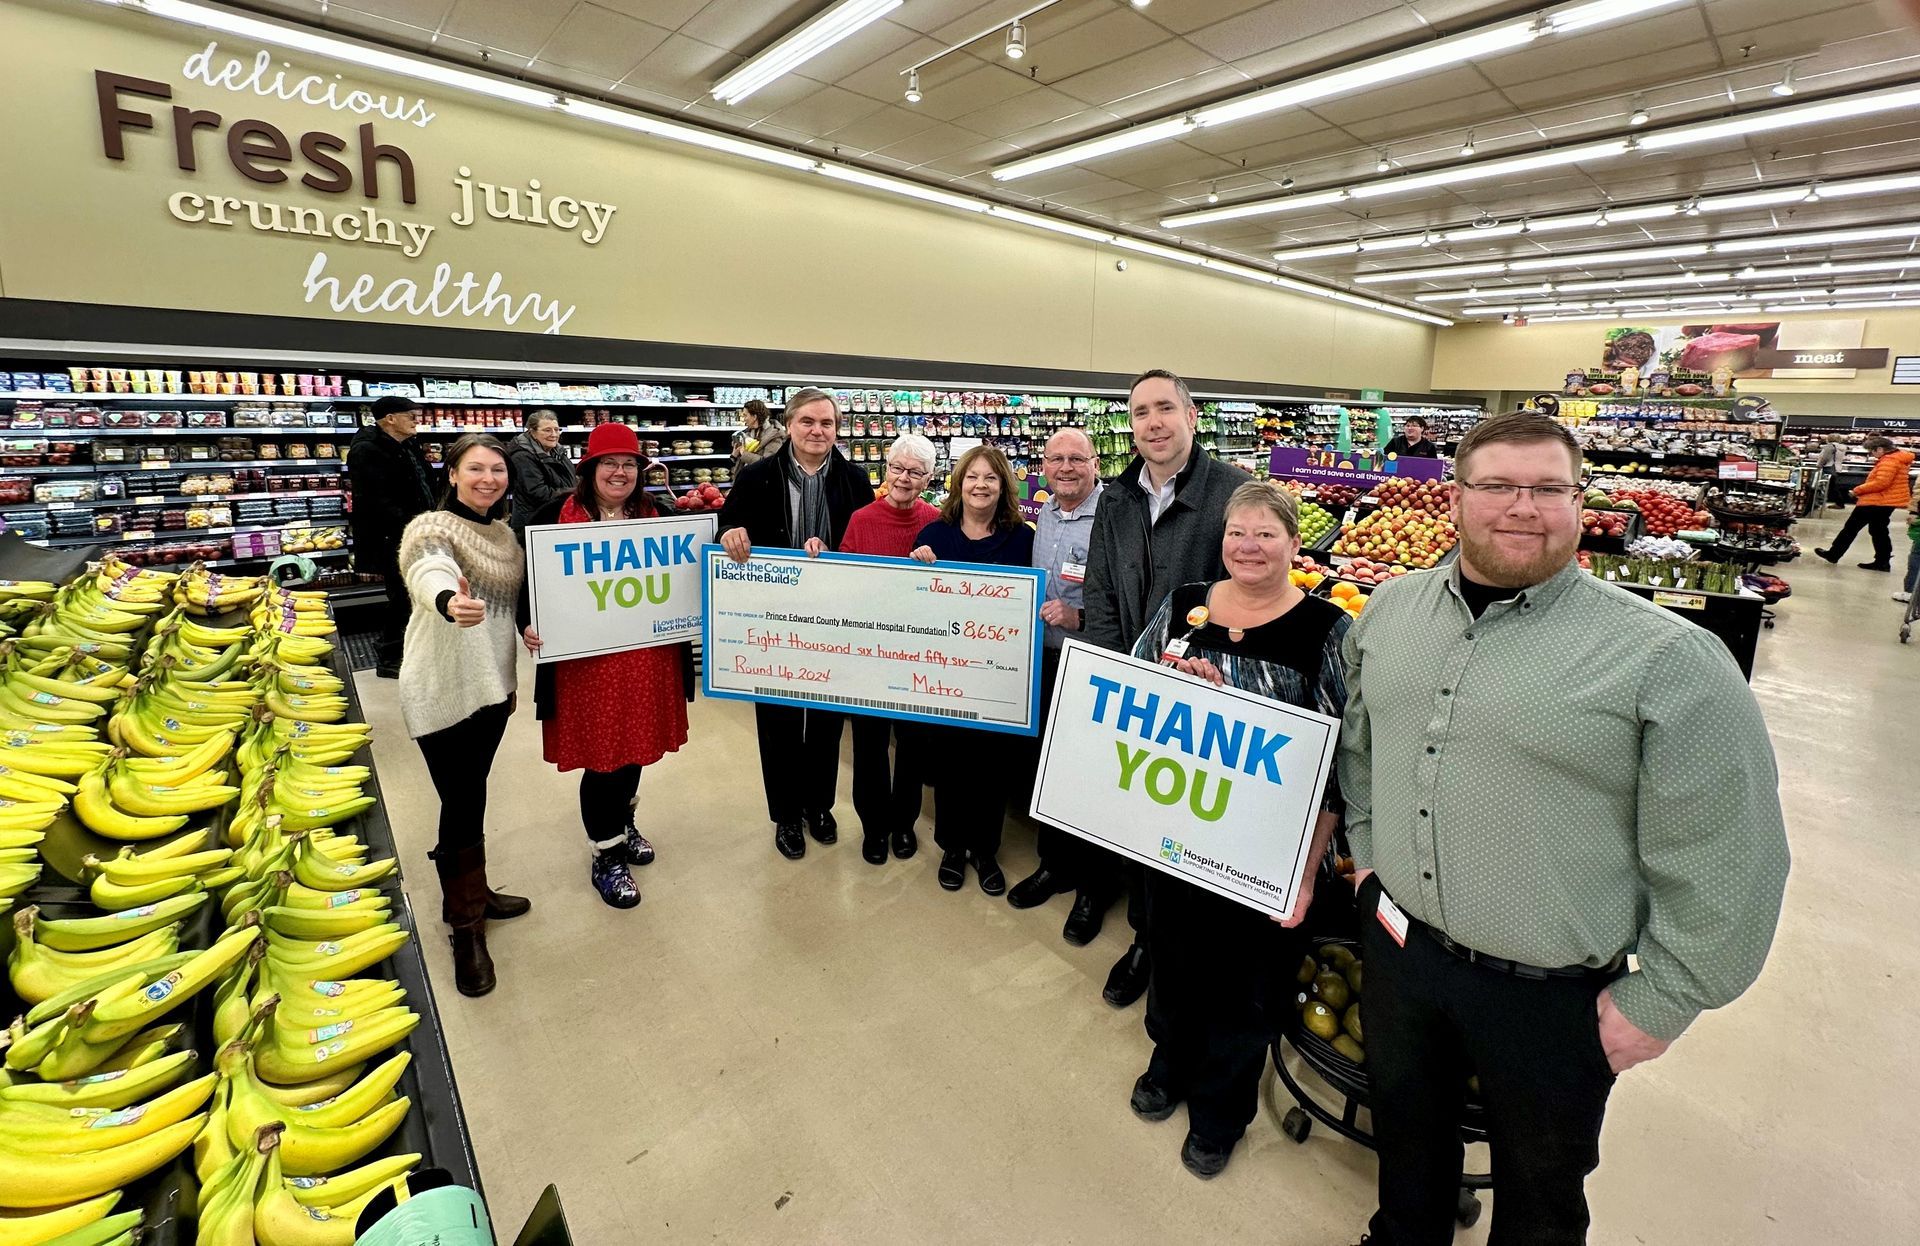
(955, 643)
(1213, 785)
(608, 587)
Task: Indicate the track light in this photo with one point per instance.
(1640, 115)
(1016, 41)
(1466, 148)
(1600, 221)
(1426, 239)
(913, 86)
(1693, 206)
(1383, 165)
(1213, 193)
(1813, 193)
(1785, 85)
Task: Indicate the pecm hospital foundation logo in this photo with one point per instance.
(1171, 851)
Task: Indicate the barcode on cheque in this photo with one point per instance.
(935, 711)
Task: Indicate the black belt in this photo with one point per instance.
(1516, 969)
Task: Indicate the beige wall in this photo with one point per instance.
(702, 249)
(1537, 357)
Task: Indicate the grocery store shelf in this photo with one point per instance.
(257, 558)
(687, 458)
(579, 402)
(144, 535)
(223, 430)
(43, 395)
(168, 499)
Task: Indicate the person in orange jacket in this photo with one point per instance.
(1875, 499)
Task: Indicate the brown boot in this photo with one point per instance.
(463, 890)
(500, 905)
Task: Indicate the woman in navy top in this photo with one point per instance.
(980, 522)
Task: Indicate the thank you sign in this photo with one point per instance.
(1213, 785)
(607, 587)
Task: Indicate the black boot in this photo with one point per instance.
(472, 965)
(463, 892)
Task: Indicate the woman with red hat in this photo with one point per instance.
(611, 715)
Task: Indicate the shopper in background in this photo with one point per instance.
(611, 715)
(1827, 467)
(761, 437)
(1913, 555)
(980, 522)
(464, 570)
(1518, 833)
(886, 793)
(391, 483)
(1413, 441)
(800, 498)
(1062, 538)
(1875, 499)
(542, 473)
(1220, 985)
(1158, 527)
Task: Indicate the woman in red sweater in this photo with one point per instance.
(887, 796)
(608, 716)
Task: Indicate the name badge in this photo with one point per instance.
(1073, 572)
(1176, 649)
(1392, 919)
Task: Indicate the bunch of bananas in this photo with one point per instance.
(196, 717)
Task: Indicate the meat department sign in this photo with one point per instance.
(1751, 350)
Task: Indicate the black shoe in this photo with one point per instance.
(822, 827)
(953, 870)
(1151, 1101)
(790, 839)
(1083, 924)
(1203, 1158)
(1128, 981)
(638, 850)
(987, 869)
(502, 907)
(873, 849)
(1037, 888)
(387, 672)
(472, 967)
(1874, 566)
(1828, 554)
(613, 880)
(905, 844)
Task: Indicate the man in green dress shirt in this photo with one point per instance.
(1545, 774)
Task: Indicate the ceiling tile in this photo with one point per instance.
(1256, 132)
(748, 26)
(1414, 95)
(1358, 40)
(422, 14)
(1160, 170)
(668, 13)
(825, 111)
(1807, 34)
(876, 130)
(504, 25)
(1115, 33)
(883, 46)
(1276, 25)
(1597, 80)
(970, 91)
(932, 143)
(1153, 69)
(682, 67)
(883, 80)
(601, 42)
(1618, 46)
(936, 17)
(1463, 112)
(1040, 106)
(1086, 123)
(1184, 16)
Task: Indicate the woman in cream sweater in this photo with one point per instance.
(463, 568)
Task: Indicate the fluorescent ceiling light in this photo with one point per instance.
(1681, 300)
(1263, 207)
(1317, 253)
(897, 186)
(837, 23)
(1632, 256)
(1055, 224)
(1845, 306)
(640, 123)
(1840, 292)
(1830, 266)
(1159, 252)
(1439, 54)
(1489, 168)
(1427, 274)
(1829, 237)
(1093, 149)
(1522, 308)
(1643, 283)
(1501, 292)
(1784, 118)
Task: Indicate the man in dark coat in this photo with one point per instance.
(391, 483)
(800, 498)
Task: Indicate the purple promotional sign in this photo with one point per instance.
(1328, 467)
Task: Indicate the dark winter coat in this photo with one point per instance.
(759, 500)
(391, 483)
(540, 476)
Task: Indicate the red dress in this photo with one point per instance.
(618, 709)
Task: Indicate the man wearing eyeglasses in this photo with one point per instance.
(1545, 774)
(1063, 536)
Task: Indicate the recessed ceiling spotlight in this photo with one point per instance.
(1785, 85)
(913, 86)
(1640, 115)
(1016, 41)
(1383, 165)
(1466, 148)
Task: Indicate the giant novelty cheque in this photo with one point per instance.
(616, 585)
(1213, 785)
(951, 643)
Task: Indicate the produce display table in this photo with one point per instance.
(1733, 617)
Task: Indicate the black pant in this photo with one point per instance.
(799, 759)
(397, 611)
(1216, 1000)
(458, 760)
(606, 798)
(886, 788)
(1874, 519)
(971, 772)
(1432, 1020)
(1083, 864)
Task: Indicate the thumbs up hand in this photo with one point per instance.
(466, 609)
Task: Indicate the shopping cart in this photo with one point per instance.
(1348, 1082)
(1913, 612)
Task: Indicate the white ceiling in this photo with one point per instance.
(1095, 65)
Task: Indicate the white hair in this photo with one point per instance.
(913, 445)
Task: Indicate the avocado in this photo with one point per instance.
(1333, 991)
(1351, 1024)
(1350, 1049)
(1338, 955)
(1320, 1020)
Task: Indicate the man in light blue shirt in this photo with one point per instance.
(1064, 535)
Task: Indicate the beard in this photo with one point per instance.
(1505, 571)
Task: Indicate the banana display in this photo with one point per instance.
(216, 758)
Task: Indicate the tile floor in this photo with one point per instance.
(830, 1052)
